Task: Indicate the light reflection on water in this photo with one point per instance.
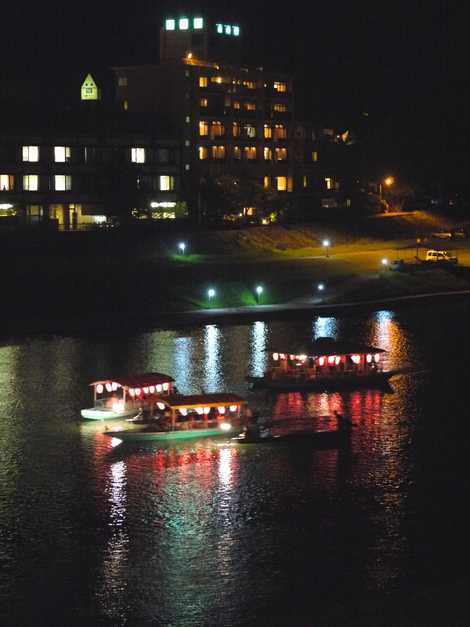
(187, 533)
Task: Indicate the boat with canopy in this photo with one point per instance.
(127, 396)
(324, 364)
(180, 417)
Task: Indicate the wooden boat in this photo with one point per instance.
(325, 364)
(323, 439)
(126, 397)
(181, 417)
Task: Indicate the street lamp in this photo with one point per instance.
(326, 245)
(321, 287)
(182, 247)
(388, 182)
(384, 261)
(211, 293)
(259, 290)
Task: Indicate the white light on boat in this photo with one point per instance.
(166, 386)
(356, 359)
(369, 358)
(221, 410)
(207, 410)
(225, 426)
(275, 356)
(146, 390)
(233, 407)
(377, 358)
(115, 386)
(301, 357)
(331, 359)
(118, 406)
(183, 411)
(159, 388)
(131, 392)
(282, 356)
(137, 391)
(109, 387)
(161, 406)
(99, 389)
(338, 361)
(152, 389)
(115, 442)
(321, 361)
(199, 410)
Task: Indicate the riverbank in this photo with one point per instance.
(120, 280)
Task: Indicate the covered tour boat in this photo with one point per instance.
(196, 416)
(126, 397)
(325, 364)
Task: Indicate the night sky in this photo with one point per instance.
(403, 63)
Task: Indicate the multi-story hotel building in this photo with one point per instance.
(229, 119)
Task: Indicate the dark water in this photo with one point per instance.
(205, 533)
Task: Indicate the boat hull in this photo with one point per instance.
(94, 413)
(374, 380)
(137, 435)
(316, 439)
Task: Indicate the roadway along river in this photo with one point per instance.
(207, 533)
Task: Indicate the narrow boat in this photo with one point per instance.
(126, 397)
(179, 417)
(325, 364)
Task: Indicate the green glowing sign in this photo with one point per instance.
(228, 29)
(90, 89)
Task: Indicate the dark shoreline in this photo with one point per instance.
(112, 324)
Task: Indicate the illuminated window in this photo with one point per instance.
(217, 79)
(305, 181)
(280, 131)
(266, 182)
(138, 155)
(279, 107)
(203, 102)
(30, 153)
(30, 182)
(183, 23)
(62, 154)
(227, 101)
(170, 24)
(314, 155)
(268, 132)
(167, 183)
(7, 182)
(125, 105)
(267, 153)
(203, 153)
(250, 130)
(236, 129)
(217, 129)
(62, 183)
(237, 153)
(236, 31)
(203, 81)
(250, 106)
(122, 81)
(249, 84)
(218, 152)
(220, 28)
(281, 154)
(250, 152)
(198, 23)
(281, 183)
(329, 183)
(236, 104)
(228, 30)
(203, 128)
(248, 211)
(280, 87)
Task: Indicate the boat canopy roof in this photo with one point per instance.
(176, 401)
(329, 346)
(138, 381)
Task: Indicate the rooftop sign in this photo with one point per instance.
(90, 89)
(184, 23)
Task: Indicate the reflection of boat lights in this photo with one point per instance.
(100, 389)
(119, 406)
(199, 410)
(221, 410)
(225, 426)
(115, 442)
(233, 407)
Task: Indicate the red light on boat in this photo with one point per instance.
(137, 391)
(321, 361)
(131, 392)
(356, 359)
(331, 359)
(233, 407)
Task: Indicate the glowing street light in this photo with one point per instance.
(384, 261)
(326, 246)
(259, 290)
(211, 293)
(388, 182)
(182, 247)
(321, 287)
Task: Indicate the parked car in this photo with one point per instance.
(440, 256)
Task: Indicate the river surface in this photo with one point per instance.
(208, 533)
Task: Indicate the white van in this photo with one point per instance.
(440, 256)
